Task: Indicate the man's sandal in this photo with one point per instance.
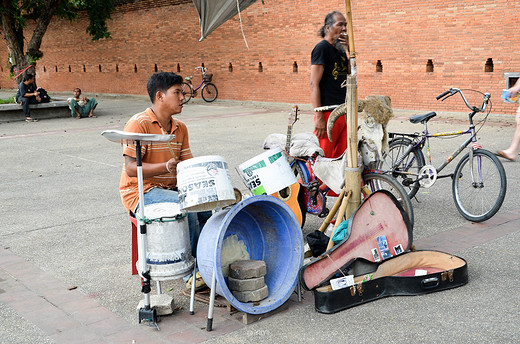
(29, 119)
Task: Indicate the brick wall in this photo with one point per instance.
(457, 36)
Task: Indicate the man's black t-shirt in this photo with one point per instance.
(335, 72)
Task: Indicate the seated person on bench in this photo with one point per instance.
(26, 94)
(81, 106)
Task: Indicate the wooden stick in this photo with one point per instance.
(352, 178)
(352, 173)
(339, 218)
(350, 29)
(333, 211)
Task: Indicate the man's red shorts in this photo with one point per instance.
(338, 145)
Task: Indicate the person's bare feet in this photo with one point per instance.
(505, 155)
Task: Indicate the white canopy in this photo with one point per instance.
(213, 13)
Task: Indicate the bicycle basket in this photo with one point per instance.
(208, 77)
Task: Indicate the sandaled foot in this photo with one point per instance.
(503, 154)
(92, 116)
(30, 119)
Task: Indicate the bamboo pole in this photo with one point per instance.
(333, 211)
(350, 31)
(352, 175)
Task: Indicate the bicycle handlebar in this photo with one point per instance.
(443, 94)
(446, 94)
(204, 69)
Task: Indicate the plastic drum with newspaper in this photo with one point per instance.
(168, 252)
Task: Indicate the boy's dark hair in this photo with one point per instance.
(162, 81)
(28, 76)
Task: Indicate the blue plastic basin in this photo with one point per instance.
(270, 232)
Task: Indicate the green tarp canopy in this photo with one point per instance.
(213, 13)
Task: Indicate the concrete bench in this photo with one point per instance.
(54, 109)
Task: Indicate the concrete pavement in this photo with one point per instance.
(65, 240)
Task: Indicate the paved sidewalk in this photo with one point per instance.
(65, 242)
(65, 315)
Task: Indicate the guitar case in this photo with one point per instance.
(376, 251)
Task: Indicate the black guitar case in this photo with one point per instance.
(376, 252)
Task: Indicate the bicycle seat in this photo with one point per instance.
(422, 118)
(188, 78)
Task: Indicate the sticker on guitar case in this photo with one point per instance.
(377, 258)
(342, 282)
(383, 247)
(421, 272)
(398, 249)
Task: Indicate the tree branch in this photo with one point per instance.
(33, 48)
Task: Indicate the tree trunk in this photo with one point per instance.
(14, 36)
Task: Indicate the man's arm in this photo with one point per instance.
(320, 126)
(150, 170)
(25, 93)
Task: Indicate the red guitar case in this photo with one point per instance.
(376, 252)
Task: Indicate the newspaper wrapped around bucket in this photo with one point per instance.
(204, 184)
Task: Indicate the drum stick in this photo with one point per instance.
(193, 283)
(169, 144)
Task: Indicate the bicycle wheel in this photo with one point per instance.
(302, 174)
(300, 171)
(479, 186)
(377, 181)
(188, 92)
(408, 169)
(209, 92)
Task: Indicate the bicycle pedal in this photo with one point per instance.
(407, 181)
(323, 213)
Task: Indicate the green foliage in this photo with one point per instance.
(8, 100)
(16, 13)
(98, 11)
(33, 59)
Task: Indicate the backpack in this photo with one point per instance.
(44, 96)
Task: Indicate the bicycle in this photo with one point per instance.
(479, 181)
(314, 191)
(208, 92)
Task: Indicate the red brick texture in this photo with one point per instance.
(457, 36)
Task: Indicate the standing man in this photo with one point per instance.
(81, 106)
(329, 69)
(26, 94)
(160, 159)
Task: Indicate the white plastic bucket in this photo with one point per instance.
(168, 252)
(204, 184)
(267, 173)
